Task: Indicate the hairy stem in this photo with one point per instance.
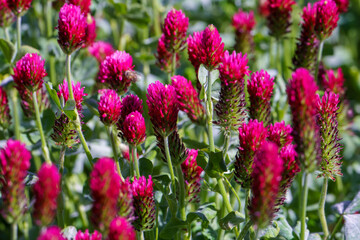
(114, 148)
(60, 210)
(322, 208)
(136, 161)
(182, 203)
(319, 60)
(304, 196)
(16, 113)
(44, 147)
(18, 32)
(83, 141)
(168, 159)
(233, 191)
(247, 197)
(209, 112)
(173, 64)
(14, 228)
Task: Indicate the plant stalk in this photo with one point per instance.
(14, 228)
(7, 35)
(44, 147)
(247, 197)
(319, 60)
(49, 18)
(60, 210)
(245, 230)
(322, 208)
(171, 169)
(114, 148)
(304, 194)
(336, 228)
(83, 141)
(173, 65)
(136, 161)
(18, 32)
(182, 203)
(16, 113)
(209, 112)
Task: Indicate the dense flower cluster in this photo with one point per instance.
(87, 236)
(121, 229)
(260, 88)
(188, 99)
(342, 5)
(301, 92)
(72, 28)
(51, 233)
(125, 201)
(327, 108)
(5, 117)
(327, 16)
(192, 176)
(78, 91)
(46, 191)
(83, 4)
(19, 7)
(251, 137)
(174, 30)
(134, 128)
(280, 134)
(14, 164)
(90, 31)
(130, 103)
(100, 50)
(279, 18)
(165, 58)
(6, 15)
(109, 107)
(244, 22)
(230, 108)
(116, 71)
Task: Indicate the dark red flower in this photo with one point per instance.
(279, 18)
(121, 229)
(280, 134)
(7, 16)
(134, 128)
(109, 107)
(342, 5)
(174, 30)
(5, 117)
(192, 178)
(100, 50)
(90, 31)
(87, 236)
(327, 16)
(243, 22)
(19, 7)
(130, 103)
(164, 58)
(83, 4)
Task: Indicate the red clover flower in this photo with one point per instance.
(164, 58)
(19, 7)
(244, 22)
(109, 107)
(5, 117)
(192, 177)
(279, 18)
(7, 16)
(87, 236)
(51, 233)
(134, 128)
(327, 16)
(121, 229)
(174, 30)
(280, 134)
(83, 4)
(100, 50)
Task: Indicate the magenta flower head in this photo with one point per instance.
(174, 30)
(83, 4)
(19, 7)
(79, 93)
(334, 83)
(7, 16)
(14, 164)
(260, 89)
(90, 31)
(230, 108)
(192, 175)
(125, 200)
(144, 203)
(72, 28)
(327, 16)
(27, 103)
(105, 189)
(134, 128)
(51, 233)
(164, 58)
(327, 108)
(87, 236)
(205, 48)
(163, 108)
(116, 71)
(29, 72)
(251, 137)
(307, 45)
(121, 229)
(46, 191)
(301, 92)
(243, 22)
(100, 50)
(109, 107)
(268, 168)
(130, 103)
(188, 99)
(5, 117)
(279, 18)
(280, 134)
(342, 5)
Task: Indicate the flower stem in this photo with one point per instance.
(83, 141)
(304, 195)
(336, 228)
(49, 18)
(7, 35)
(234, 192)
(168, 158)
(319, 60)
(245, 230)
(60, 210)
(182, 203)
(247, 197)
(114, 148)
(14, 228)
(68, 77)
(136, 161)
(322, 208)
(209, 112)
(131, 162)
(173, 65)
(44, 147)
(16, 113)
(18, 32)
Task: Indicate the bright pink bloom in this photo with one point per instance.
(230, 108)
(205, 48)
(174, 30)
(334, 83)
(268, 168)
(130, 103)
(46, 191)
(125, 200)
(7, 16)
(264, 8)
(83, 4)
(327, 16)
(90, 31)
(116, 71)
(260, 88)
(121, 229)
(301, 92)
(87, 236)
(327, 108)
(19, 7)
(244, 22)
(78, 93)
(192, 176)
(251, 137)
(342, 5)
(163, 107)
(29, 72)
(5, 117)
(109, 106)
(14, 164)
(279, 18)
(144, 203)
(280, 134)
(51, 233)
(72, 28)
(100, 50)
(164, 58)
(188, 99)
(105, 189)
(134, 128)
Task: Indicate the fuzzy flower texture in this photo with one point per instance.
(244, 22)
(279, 18)
(327, 16)
(134, 128)
(19, 7)
(6, 15)
(192, 176)
(121, 229)
(109, 107)
(100, 50)
(51, 233)
(5, 117)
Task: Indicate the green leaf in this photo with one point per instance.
(272, 231)
(146, 167)
(69, 232)
(285, 228)
(205, 213)
(92, 105)
(8, 49)
(48, 120)
(297, 230)
(215, 165)
(24, 49)
(138, 16)
(202, 75)
(214, 75)
(352, 226)
(231, 220)
(189, 143)
(314, 236)
(30, 179)
(150, 140)
(202, 94)
(354, 205)
(69, 109)
(172, 227)
(202, 159)
(120, 8)
(53, 94)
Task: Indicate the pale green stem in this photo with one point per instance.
(322, 208)
(173, 65)
(83, 141)
(52, 62)
(247, 197)
(7, 35)
(16, 113)
(157, 27)
(171, 169)
(114, 148)
(234, 192)
(182, 203)
(245, 230)
(209, 112)
(14, 227)
(60, 210)
(49, 28)
(304, 195)
(136, 161)
(131, 162)
(18, 32)
(68, 77)
(278, 57)
(319, 60)
(44, 147)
